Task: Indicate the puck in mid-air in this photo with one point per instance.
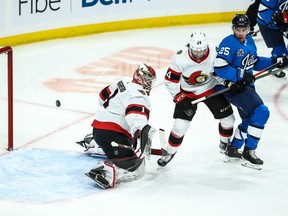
(58, 104)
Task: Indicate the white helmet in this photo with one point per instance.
(144, 75)
(198, 45)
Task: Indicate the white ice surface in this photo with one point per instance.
(196, 182)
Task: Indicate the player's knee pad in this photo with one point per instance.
(260, 116)
(180, 127)
(228, 122)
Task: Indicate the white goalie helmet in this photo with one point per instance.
(145, 75)
(198, 45)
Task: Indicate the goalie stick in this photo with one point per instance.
(261, 74)
(163, 141)
(154, 151)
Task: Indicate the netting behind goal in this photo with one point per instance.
(6, 98)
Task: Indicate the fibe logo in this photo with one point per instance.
(89, 3)
(38, 6)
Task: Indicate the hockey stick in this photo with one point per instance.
(153, 150)
(163, 141)
(254, 34)
(257, 76)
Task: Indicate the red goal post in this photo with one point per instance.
(6, 96)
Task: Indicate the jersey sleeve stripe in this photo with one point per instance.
(172, 76)
(104, 94)
(137, 109)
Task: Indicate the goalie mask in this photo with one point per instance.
(144, 75)
(198, 45)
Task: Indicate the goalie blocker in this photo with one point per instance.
(115, 170)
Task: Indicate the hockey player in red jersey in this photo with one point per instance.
(121, 128)
(189, 77)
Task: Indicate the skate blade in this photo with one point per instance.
(222, 151)
(228, 159)
(100, 184)
(250, 165)
(160, 167)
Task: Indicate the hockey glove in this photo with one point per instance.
(234, 87)
(281, 61)
(247, 79)
(182, 101)
(281, 20)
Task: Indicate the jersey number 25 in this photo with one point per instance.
(224, 50)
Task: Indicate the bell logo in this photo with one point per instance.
(90, 3)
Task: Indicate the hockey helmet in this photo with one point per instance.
(198, 45)
(240, 20)
(144, 75)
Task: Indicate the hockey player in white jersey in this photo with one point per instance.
(189, 77)
(121, 128)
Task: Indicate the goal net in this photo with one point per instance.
(6, 98)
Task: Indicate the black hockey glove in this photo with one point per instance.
(182, 101)
(281, 20)
(247, 79)
(234, 87)
(281, 61)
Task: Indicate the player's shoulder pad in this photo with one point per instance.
(229, 41)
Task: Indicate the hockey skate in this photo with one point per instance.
(223, 146)
(164, 160)
(251, 160)
(91, 147)
(232, 154)
(98, 175)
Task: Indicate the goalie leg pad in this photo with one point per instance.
(130, 164)
(107, 174)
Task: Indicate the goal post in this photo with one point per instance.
(6, 98)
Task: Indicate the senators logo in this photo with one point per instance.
(196, 78)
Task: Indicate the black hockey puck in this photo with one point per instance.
(58, 104)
